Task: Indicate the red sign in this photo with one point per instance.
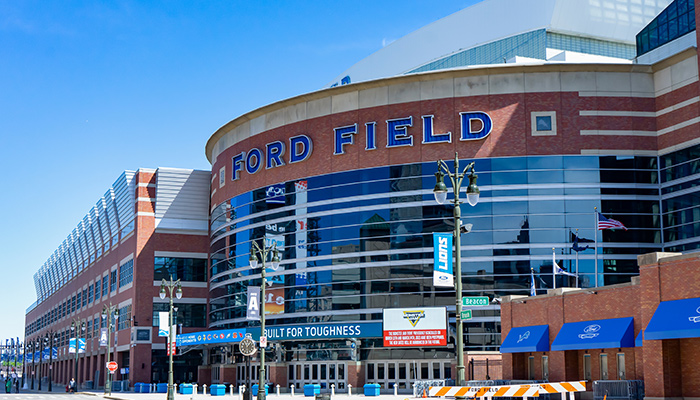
(171, 346)
(112, 366)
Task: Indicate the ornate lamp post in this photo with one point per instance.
(38, 347)
(169, 286)
(108, 312)
(440, 193)
(50, 340)
(263, 252)
(73, 329)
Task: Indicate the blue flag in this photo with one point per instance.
(533, 290)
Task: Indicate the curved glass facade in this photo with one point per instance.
(359, 241)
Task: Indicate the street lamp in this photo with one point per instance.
(50, 340)
(178, 293)
(31, 350)
(107, 314)
(41, 358)
(440, 193)
(263, 252)
(73, 328)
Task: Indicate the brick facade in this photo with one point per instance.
(666, 366)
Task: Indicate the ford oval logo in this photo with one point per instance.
(591, 328)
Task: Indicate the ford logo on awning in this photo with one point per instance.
(590, 331)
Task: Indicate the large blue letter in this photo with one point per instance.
(370, 127)
(275, 151)
(237, 161)
(301, 148)
(397, 132)
(429, 137)
(253, 161)
(344, 135)
(467, 118)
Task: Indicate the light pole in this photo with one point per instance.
(440, 193)
(41, 358)
(107, 313)
(31, 350)
(73, 328)
(50, 340)
(170, 286)
(263, 252)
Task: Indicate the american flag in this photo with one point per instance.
(609, 223)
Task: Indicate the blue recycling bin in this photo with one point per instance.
(162, 388)
(145, 388)
(218, 390)
(312, 390)
(372, 389)
(137, 387)
(255, 390)
(185, 388)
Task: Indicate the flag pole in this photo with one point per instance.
(576, 261)
(595, 232)
(554, 271)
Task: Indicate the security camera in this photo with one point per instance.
(465, 228)
(496, 300)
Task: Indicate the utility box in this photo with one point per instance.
(372, 389)
(311, 390)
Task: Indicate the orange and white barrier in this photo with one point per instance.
(485, 391)
(529, 390)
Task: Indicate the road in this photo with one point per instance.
(46, 396)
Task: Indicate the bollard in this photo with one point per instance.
(572, 396)
(204, 389)
(333, 390)
(396, 389)
(231, 386)
(563, 395)
(349, 390)
(292, 389)
(241, 389)
(194, 388)
(278, 390)
(174, 387)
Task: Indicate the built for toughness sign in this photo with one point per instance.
(415, 327)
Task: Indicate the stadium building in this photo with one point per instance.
(562, 121)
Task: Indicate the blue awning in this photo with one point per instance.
(526, 338)
(597, 334)
(639, 340)
(675, 319)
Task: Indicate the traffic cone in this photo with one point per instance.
(424, 395)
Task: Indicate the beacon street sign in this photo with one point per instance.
(475, 301)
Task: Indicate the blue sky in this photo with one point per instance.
(91, 88)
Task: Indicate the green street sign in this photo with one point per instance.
(475, 301)
(466, 314)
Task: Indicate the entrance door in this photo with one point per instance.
(404, 373)
(324, 374)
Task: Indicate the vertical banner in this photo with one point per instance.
(253, 312)
(163, 329)
(71, 345)
(81, 345)
(103, 337)
(301, 239)
(442, 267)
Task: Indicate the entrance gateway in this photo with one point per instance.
(324, 354)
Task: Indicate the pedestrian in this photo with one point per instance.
(8, 385)
(17, 385)
(72, 385)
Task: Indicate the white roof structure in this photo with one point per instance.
(615, 21)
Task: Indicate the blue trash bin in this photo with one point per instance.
(254, 392)
(145, 388)
(218, 390)
(137, 387)
(185, 388)
(372, 389)
(162, 388)
(311, 390)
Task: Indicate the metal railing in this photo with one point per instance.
(618, 390)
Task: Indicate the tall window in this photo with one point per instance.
(545, 368)
(603, 366)
(85, 297)
(91, 293)
(185, 269)
(98, 292)
(587, 367)
(79, 300)
(189, 315)
(105, 283)
(124, 319)
(621, 371)
(113, 281)
(126, 273)
(531, 367)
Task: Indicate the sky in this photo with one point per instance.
(89, 89)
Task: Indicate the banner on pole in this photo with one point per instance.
(253, 312)
(163, 318)
(442, 263)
